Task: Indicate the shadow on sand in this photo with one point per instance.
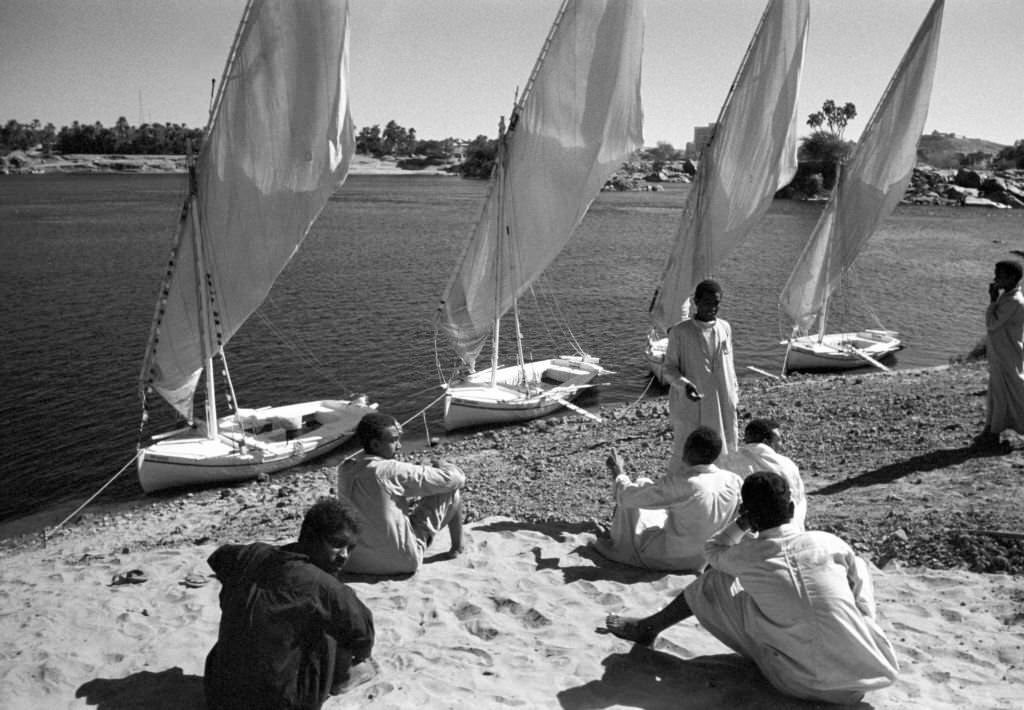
(166, 690)
(916, 464)
(645, 678)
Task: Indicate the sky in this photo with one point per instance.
(452, 67)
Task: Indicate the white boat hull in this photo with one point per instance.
(840, 351)
(550, 384)
(654, 355)
(250, 443)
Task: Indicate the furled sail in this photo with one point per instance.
(278, 145)
(578, 120)
(871, 184)
(752, 155)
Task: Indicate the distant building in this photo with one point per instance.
(701, 137)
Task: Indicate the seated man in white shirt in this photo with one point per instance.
(762, 442)
(664, 524)
(798, 604)
(403, 505)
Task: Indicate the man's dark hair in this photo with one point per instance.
(372, 426)
(331, 517)
(1012, 267)
(702, 446)
(706, 286)
(759, 431)
(766, 499)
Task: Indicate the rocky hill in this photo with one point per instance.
(948, 150)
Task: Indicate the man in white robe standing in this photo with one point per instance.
(798, 604)
(699, 369)
(1004, 325)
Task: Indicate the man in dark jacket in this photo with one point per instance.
(291, 633)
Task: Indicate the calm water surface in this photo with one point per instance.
(81, 259)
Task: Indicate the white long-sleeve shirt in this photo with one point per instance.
(805, 613)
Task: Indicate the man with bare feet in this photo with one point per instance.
(664, 524)
(291, 634)
(803, 609)
(404, 505)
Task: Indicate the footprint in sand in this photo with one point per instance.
(530, 617)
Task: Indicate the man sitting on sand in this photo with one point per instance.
(664, 524)
(798, 604)
(291, 634)
(759, 451)
(403, 505)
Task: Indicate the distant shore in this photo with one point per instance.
(20, 163)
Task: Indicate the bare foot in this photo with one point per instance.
(453, 553)
(630, 629)
(358, 674)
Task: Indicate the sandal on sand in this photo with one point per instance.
(133, 576)
(194, 581)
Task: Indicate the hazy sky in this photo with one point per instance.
(451, 67)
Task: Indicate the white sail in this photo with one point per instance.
(579, 119)
(871, 184)
(751, 155)
(278, 145)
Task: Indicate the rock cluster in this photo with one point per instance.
(969, 188)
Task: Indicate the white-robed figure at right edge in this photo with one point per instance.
(699, 369)
(800, 605)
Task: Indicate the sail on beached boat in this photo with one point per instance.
(579, 118)
(278, 145)
(869, 188)
(751, 155)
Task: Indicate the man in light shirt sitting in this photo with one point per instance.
(762, 442)
(664, 524)
(403, 505)
(798, 604)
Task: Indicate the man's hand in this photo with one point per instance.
(692, 393)
(993, 291)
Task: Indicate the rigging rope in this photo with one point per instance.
(62, 523)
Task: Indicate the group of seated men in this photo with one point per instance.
(799, 604)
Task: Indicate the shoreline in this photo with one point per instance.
(174, 164)
(885, 457)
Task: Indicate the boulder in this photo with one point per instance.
(967, 178)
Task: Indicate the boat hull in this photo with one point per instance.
(654, 356)
(840, 351)
(474, 402)
(251, 443)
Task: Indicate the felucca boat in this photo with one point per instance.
(870, 186)
(750, 156)
(278, 145)
(578, 119)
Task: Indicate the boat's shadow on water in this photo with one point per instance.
(924, 463)
(166, 690)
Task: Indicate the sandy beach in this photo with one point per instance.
(514, 621)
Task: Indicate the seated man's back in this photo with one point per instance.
(664, 524)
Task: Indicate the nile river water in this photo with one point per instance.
(81, 258)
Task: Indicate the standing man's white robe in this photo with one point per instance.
(702, 353)
(750, 458)
(803, 611)
(1004, 321)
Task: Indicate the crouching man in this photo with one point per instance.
(291, 634)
